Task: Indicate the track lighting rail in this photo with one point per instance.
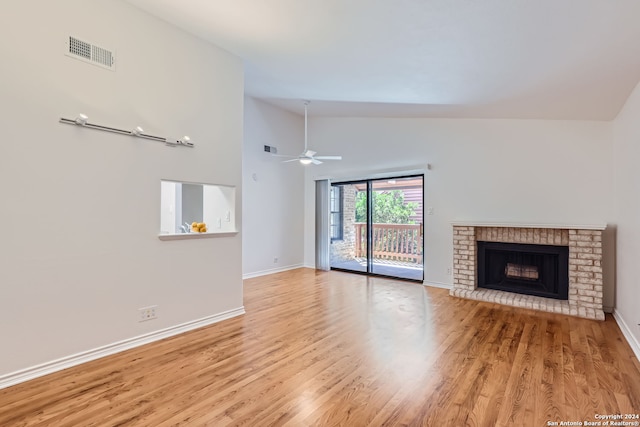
(138, 132)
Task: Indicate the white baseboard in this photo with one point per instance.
(271, 271)
(107, 350)
(626, 331)
(437, 284)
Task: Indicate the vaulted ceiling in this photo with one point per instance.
(534, 59)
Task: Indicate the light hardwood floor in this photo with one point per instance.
(336, 349)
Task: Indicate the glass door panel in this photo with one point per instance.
(397, 227)
(348, 226)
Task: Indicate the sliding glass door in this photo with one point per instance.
(377, 227)
(348, 232)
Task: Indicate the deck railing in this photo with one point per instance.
(399, 242)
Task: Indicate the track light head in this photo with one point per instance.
(185, 140)
(81, 119)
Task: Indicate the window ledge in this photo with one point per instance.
(186, 236)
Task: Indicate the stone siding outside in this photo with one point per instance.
(345, 249)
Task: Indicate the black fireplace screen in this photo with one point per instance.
(540, 270)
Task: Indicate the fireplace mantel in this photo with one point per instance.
(600, 227)
(585, 264)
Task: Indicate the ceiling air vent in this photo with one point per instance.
(87, 52)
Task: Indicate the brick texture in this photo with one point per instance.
(345, 249)
(585, 267)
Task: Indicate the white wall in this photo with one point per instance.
(219, 212)
(79, 252)
(627, 185)
(273, 202)
(169, 207)
(523, 171)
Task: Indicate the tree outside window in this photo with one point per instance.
(389, 207)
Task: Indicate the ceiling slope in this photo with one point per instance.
(533, 59)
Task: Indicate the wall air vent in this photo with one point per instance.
(90, 53)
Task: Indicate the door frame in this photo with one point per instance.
(369, 228)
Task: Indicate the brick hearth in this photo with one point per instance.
(585, 265)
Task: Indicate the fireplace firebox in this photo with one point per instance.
(540, 270)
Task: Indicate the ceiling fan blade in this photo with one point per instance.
(285, 155)
(291, 160)
(315, 161)
(329, 157)
(309, 153)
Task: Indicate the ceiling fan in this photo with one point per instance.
(308, 156)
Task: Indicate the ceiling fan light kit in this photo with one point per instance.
(308, 156)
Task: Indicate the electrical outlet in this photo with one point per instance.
(219, 223)
(227, 217)
(430, 210)
(148, 313)
(275, 260)
(449, 271)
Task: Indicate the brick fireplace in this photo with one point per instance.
(584, 265)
